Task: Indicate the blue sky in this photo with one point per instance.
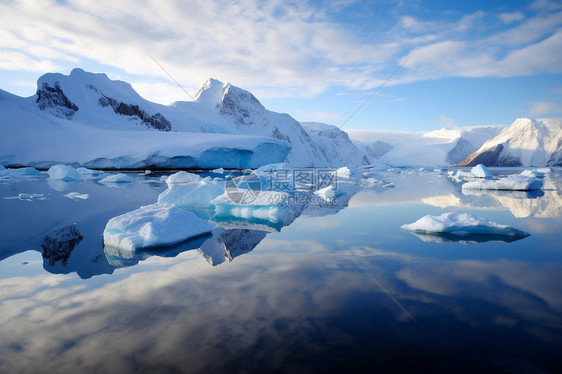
(455, 63)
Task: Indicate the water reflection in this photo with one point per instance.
(465, 239)
(297, 303)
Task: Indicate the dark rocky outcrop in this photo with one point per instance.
(156, 121)
(54, 99)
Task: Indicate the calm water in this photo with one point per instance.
(341, 289)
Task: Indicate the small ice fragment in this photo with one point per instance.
(117, 178)
(481, 171)
(343, 172)
(218, 171)
(77, 196)
(460, 224)
(153, 225)
(63, 172)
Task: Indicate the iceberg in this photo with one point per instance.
(511, 183)
(89, 173)
(191, 195)
(155, 225)
(460, 224)
(481, 171)
(63, 173)
(266, 206)
(116, 178)
(182, 177)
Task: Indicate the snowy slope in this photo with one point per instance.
(84, 117)
(525, 143)
(435, 148)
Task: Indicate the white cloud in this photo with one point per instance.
(447, 122)
(545, 108)
(279, 48)
(511, 17)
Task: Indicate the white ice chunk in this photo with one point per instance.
(153, 225)
(343, 172)
(89, 173)
(218, 171)
(77, 196)
(460, 224)
(197, 194)
(511, 183)
(272, 206)
(329, 193)
(117, 178)
(481, 171)
(182, 177)
(63, 172)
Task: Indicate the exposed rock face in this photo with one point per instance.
(491, 157)
(525, 143)
(58, 245)
(55, 101)
(156, 121)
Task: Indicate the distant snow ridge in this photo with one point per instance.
(434, 148)
(525, 143)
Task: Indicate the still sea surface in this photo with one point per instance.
(340, 289)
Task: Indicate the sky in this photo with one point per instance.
(393, 65)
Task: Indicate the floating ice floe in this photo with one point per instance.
(511, 183)
(153, 225)
(480, 171)
(77, 196)
(116, 178)
(272, 206)
(20, 172)
(89, 173)
(460, 224)
(218, 171)
(63, 173)
(27, 197)
(191, 195)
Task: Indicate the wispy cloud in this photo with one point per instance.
(545, 108)
(281, 48)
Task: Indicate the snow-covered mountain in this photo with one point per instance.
(525, 143)
(88, 119)
(434, 148)
(336, 145)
